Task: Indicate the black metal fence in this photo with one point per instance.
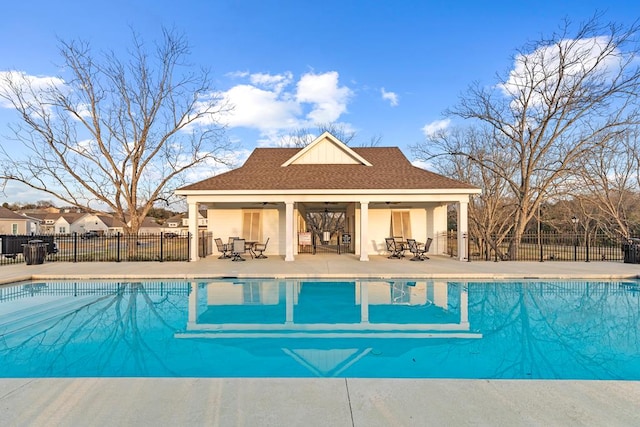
(339, 243)
(549, 247)
(76, 288)
(108, 248)
(171, 247)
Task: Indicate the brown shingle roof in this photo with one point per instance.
(390, 170)
(9, 214)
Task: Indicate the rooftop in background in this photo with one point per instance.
(389, 169)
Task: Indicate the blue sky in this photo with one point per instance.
(382, 68)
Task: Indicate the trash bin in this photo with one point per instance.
(35, 252)
(631, 249)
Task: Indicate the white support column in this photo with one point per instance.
(289, 226)
(364, 302)
(463, 230)
(288, 320)
(464, 307)
(193, 304)
(364, 230)
(193, 230)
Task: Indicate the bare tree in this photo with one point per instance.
(564, 96)
(303, 136)
(607, 189)
(321, 221)
(491, 212)
(118, 133)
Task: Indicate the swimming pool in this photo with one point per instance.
(317, 328)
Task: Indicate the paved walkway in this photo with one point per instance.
(317, 402)
(329, 266)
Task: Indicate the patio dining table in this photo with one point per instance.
(403, 245)
(249, 245)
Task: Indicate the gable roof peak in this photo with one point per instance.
(326, 149)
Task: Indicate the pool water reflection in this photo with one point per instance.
(303, 328)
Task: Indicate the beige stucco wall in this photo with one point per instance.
(26, 226)
(438, 233)
(429, 220)
(379, 228)
(225, 223)
(6, 226)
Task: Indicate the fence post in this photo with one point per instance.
(468, 245)
(495, 249)
(75, 246)
(161, 243)
(541, 251)
(587, 246)
(189, 246)
(118, 247)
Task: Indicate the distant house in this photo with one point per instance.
(47, 225)
(86, 222)
(69, 221)
(175, 223)
(63, 224)
(150, 226)
(15, 223)
(180, 223)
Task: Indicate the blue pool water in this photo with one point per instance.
(316, 328)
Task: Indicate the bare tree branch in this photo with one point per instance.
(565, 97)
(117, 132)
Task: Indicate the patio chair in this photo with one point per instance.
(427, 245)
(391, 248)
(401, 245)
(223, 248)
(418, 251)
(238, 249)
(260, 247)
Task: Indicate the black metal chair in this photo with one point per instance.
(401, 245)
(259, 248)
(239, 248)
(427, 245)
(417, 251)
(391, 248)
(223, 248)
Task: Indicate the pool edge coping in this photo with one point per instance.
(451, 276)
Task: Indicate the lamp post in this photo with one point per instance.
(575, 220)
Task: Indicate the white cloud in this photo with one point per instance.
(26, 83)
(210, 167)
(392, 97)
(329, 100)
(261, 109)
(430, 129)
(275, 104)
(421, 164)
(16, 192)
(541, 68)
(238, 74)
(276, 82)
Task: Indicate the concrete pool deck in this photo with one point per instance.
(322, 401)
